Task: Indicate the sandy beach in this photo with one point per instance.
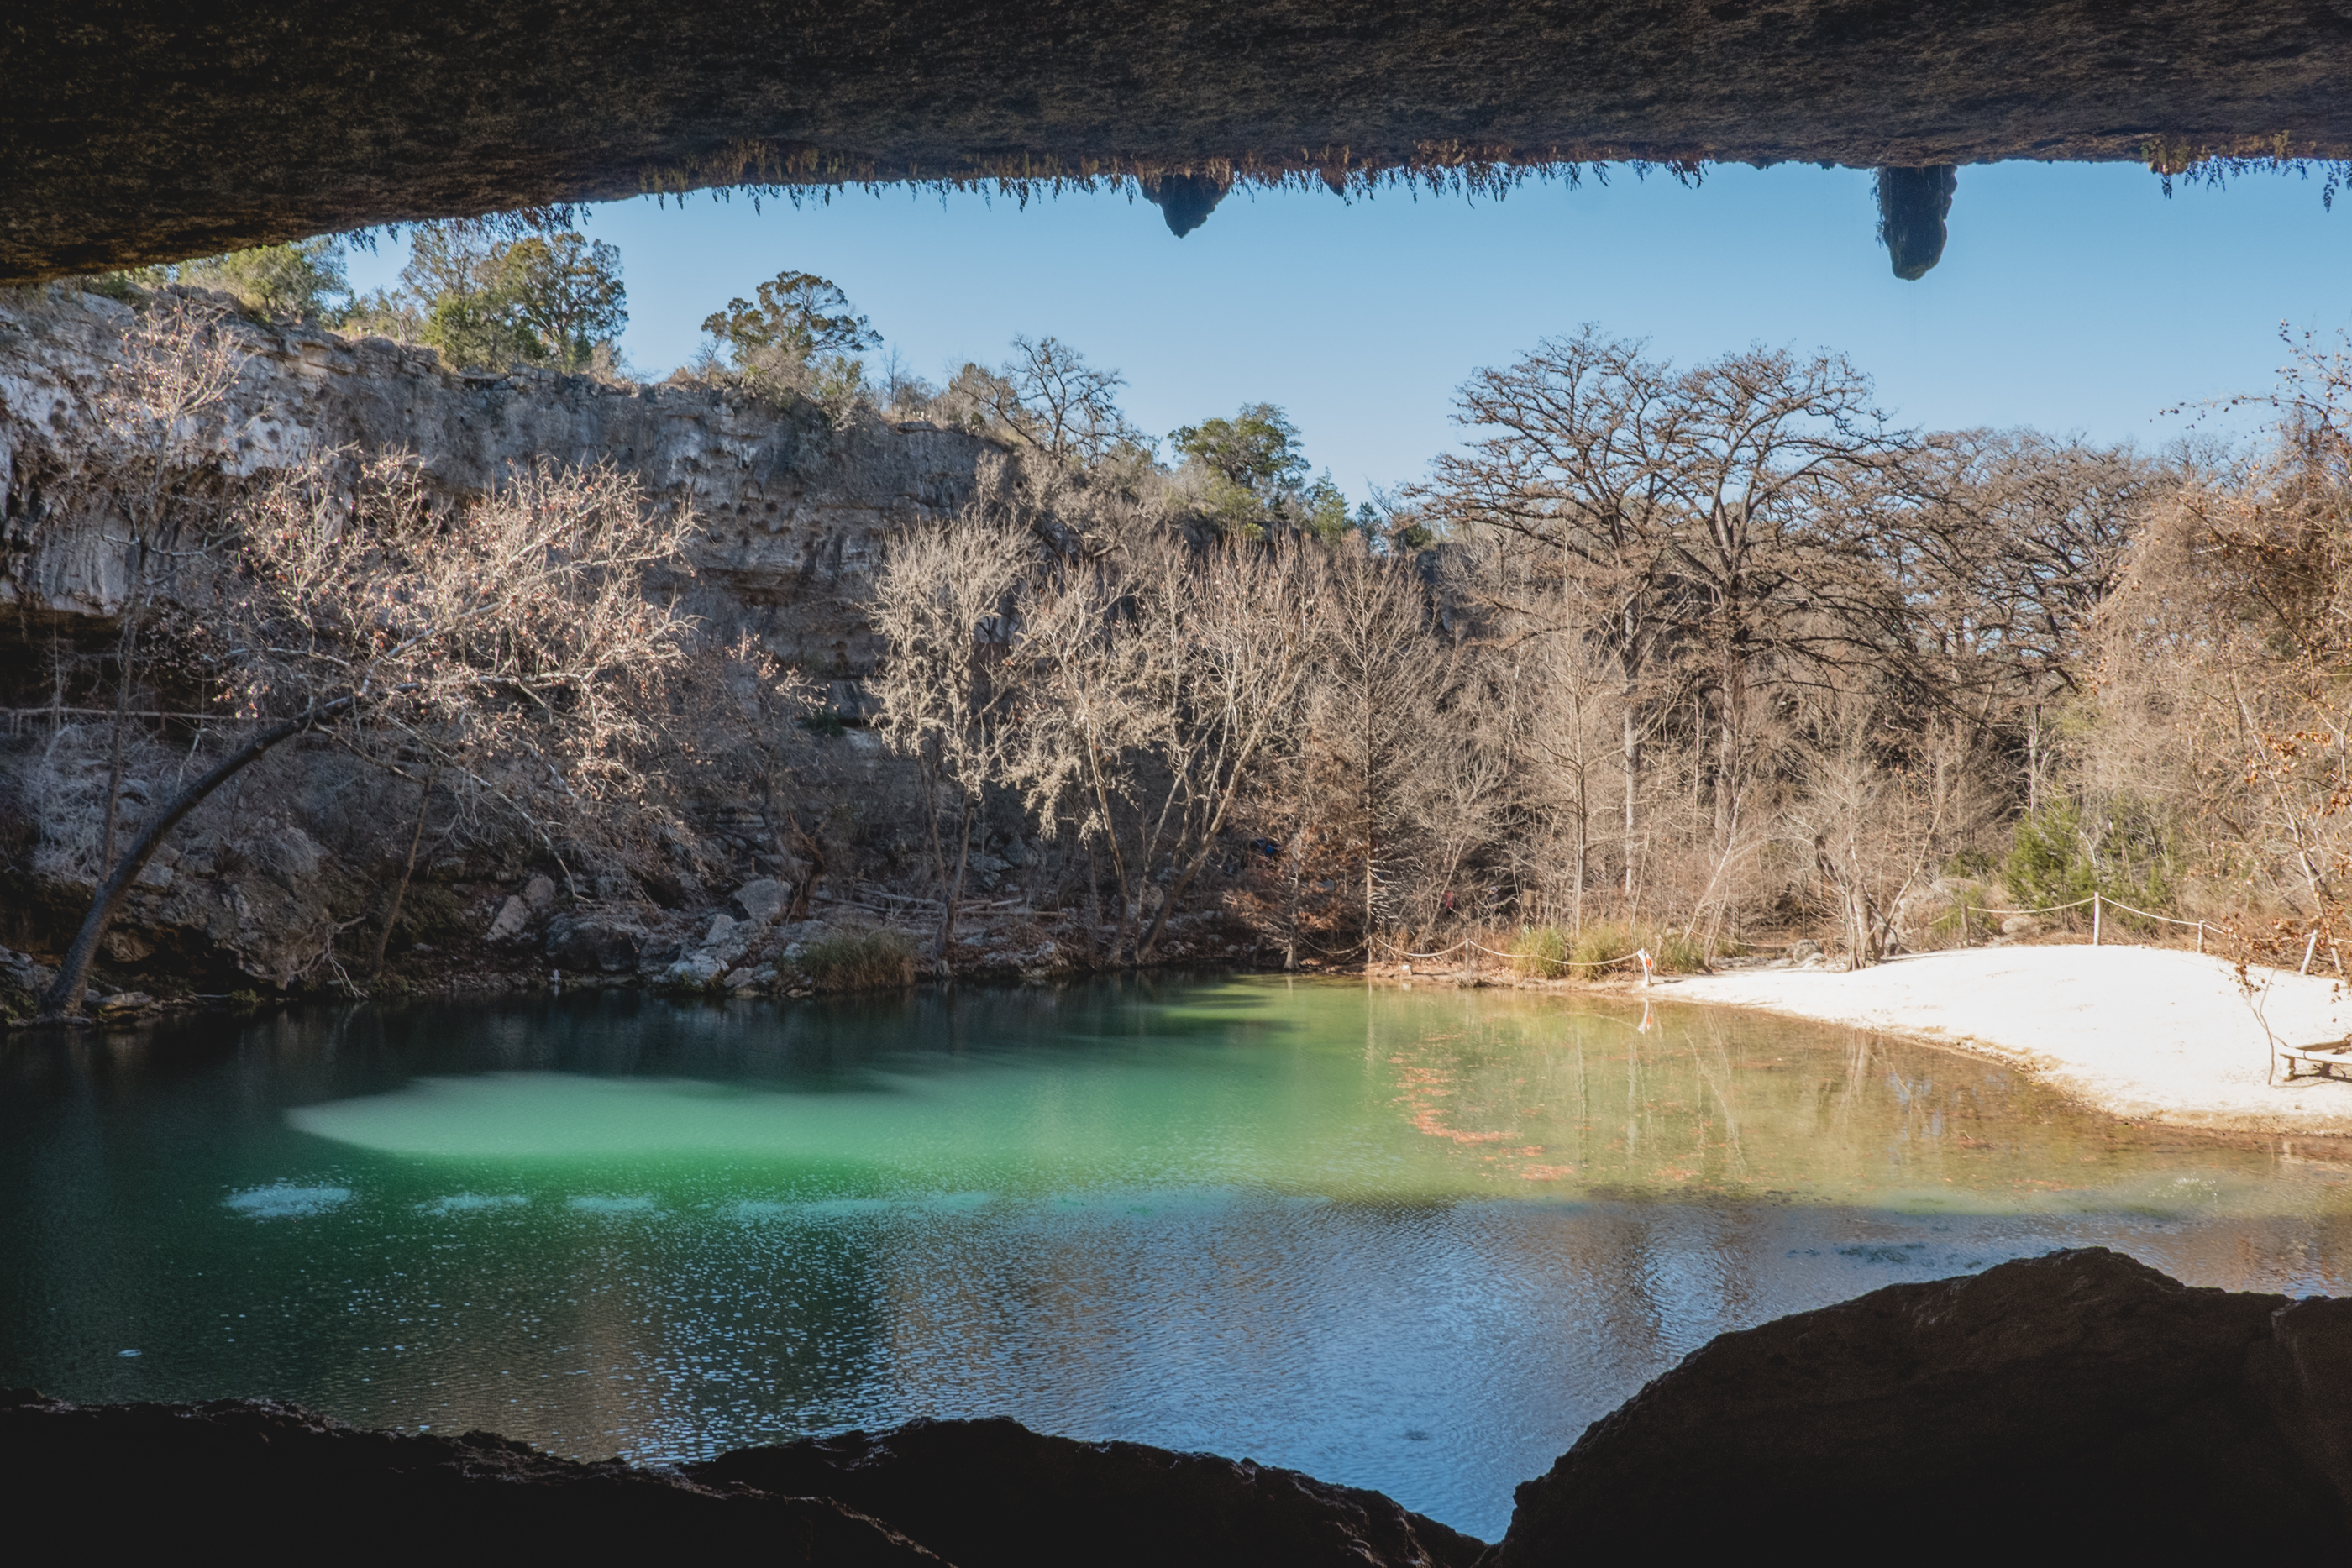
(2143, 1033)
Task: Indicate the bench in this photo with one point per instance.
(2323, 1058)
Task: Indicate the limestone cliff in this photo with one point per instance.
(793, 509)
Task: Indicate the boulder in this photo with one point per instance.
(512, 921)
(2079, 1402)
(22, 983)
(759, 902)
(994, 1494)
(2021, 925)
(288, 853)
(697, 971)
(127, 1482)
(593, 942)
(540, 894)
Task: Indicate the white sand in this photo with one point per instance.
(2143, 1033)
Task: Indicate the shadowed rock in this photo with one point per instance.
(994, 1494)
(1912, 206)
(2077, 1402)
(125, 1481)
(146, 131)
(1184, 200)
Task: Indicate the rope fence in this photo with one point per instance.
(1640, 953)
(2099, 903)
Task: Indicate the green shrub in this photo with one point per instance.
(2059, 857)
(864, 959)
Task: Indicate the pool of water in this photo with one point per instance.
(1413, 1240)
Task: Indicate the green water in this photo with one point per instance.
(1413, 1240)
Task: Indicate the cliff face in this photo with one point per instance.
(793, 510)
(792, 514)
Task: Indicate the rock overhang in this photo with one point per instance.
(136, 131)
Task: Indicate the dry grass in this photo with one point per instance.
(1549, 952)
(866, 958)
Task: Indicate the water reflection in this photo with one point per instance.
(1414, 1241)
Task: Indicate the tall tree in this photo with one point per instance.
(945, 601)
(1715, 515)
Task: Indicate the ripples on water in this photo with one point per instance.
(1409, 1241)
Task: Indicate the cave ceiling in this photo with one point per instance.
(136, 130)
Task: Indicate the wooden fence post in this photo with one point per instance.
(2095, 918)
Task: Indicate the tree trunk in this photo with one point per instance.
(123, 657)
(1290, 922)
(950, 893)
(63, 1002)
(1633, 759)
(1583, 836)
(400, 888)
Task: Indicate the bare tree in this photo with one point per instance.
(512, 641)
(947, 603)
(1063, 404)
(1383, 671)
(1163, 677)
(152, 415)
(1711, 516)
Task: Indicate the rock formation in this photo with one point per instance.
(130, 1481)
(793, 510)
(147, 131)
(1912, 206)
(2077, 1402)
(994, 1494)
(150, 1479)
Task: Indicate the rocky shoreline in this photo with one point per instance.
(2078, 1401)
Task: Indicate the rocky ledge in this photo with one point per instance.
(151, 1478)
(2073, 1402)
(2080, 1401)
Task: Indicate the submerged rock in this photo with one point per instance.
(994, 1494)
(2077, 1402)
(126, 1479)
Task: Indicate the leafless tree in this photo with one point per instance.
(1162, 675)
(1715, 515)
(1374, 709)
(948, 603)
(152, 417)
(511, 641)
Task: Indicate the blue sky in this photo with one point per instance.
(2074, 298)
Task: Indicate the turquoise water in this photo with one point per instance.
(1406, 1240)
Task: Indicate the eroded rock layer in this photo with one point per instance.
(140, 132)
